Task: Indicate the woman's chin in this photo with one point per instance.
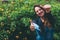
(40, 15)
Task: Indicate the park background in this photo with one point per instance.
(15, 16)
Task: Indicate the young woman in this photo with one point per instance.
(41, 25)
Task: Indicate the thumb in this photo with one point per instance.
(31, 22)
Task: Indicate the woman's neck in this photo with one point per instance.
(42, 19)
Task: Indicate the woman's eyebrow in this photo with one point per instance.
(39, 9)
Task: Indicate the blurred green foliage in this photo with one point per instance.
(15, 16)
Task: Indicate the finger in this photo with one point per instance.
(30, 21)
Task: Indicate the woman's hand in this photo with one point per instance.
(47, 8)
(32, 26)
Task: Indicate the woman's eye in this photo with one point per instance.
(37, 11)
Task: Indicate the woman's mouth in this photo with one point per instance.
(40, 13)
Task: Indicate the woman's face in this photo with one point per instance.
(39, 11)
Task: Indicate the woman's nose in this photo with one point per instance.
(39, 11)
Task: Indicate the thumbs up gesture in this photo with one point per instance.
(32, 26)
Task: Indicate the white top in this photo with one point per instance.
(36, 26)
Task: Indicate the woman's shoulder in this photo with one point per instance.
(37, 20)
